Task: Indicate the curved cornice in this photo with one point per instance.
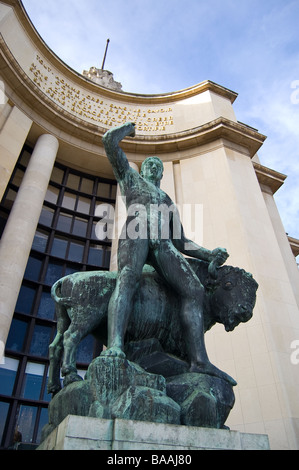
(63, 120)
(220, 128)
(119, 96)
(24, 89)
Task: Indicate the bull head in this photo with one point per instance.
(232, 294)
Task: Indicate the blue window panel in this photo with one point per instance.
(46, 307)
(25, 299)
(33, 269)
(80, 227)
(64, 223)
(95, 256)
(46, 216)
(40, 242)
(4, 408)
(59, 247)
(26, 422)
(85, 350)
(32, 381)
(17, 334)
(42, 422)
(40, 341)
(54, 272)
(106, 263)
(76, 252)
(48, 396)
(8, 372)
(70, 270)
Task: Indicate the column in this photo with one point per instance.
(12, 138)
(20, 228)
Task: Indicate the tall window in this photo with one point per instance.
(65, 242)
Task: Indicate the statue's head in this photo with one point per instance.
(152, 169)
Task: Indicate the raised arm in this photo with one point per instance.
(115, 154)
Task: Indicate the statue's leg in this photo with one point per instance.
(132, 255)
(56, 350)
(178, 273)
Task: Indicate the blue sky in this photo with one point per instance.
(248, 46)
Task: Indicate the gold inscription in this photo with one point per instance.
(94, 108)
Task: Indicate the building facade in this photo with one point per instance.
(56, 183)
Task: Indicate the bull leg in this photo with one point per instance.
(56, 350)
(55, 355)
(71, 340)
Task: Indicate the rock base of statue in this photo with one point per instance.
(83, 433)
(205, 401)
(115, 388)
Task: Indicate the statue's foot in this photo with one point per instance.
(114, 351)
(210, 369)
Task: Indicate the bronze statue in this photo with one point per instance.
(164, 253)
(157, 307)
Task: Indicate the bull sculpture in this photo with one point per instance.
(81, 301)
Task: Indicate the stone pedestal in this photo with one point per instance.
(84, 433)
(115, 388)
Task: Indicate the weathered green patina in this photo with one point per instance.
(152, 314)
(82, 302)
(161, 249)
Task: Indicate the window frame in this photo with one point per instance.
(43, 253)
